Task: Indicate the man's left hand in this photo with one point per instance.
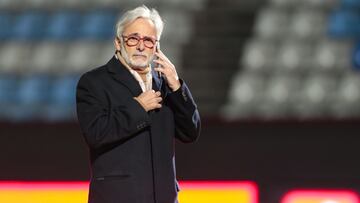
(168, 70)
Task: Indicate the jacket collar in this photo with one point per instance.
(121, 74)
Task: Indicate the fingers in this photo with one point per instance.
(162, 57)
(150, 100)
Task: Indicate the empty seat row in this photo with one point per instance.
(320, 4)
(70, 25)
(37, 89)
(291, 55)
(81, 4)
(290, 95)
(63, 25)
(304, 23)
(60, 58)
(78, 56)
(276, 23)
(37, 96)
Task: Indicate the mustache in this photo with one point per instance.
(139, 54)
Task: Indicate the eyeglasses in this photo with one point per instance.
(133, 40)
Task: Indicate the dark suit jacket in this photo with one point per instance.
(131, 150)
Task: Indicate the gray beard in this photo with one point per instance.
(128, 61)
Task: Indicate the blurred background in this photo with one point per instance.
(277, 83)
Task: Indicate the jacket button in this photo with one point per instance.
(184, 96)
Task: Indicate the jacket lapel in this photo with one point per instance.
(121, 74)
(159, 84)
(157, 81)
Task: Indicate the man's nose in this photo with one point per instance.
(140, 46)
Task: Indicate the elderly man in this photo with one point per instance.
(130, 114)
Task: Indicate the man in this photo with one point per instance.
(130, 114)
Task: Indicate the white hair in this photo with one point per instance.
(140, 12)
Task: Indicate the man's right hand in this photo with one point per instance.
(149, 100)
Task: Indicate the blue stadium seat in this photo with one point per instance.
(31, 97)
(8, 85)
(7, 88)
(63, 90)
(62, 98)
(99, 25)
(33, 90)
(351, 4)
(30, 26)
(356, 57)
(343, 24)
(6, 25)
(64, 26)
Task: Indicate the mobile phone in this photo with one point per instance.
(157, 50)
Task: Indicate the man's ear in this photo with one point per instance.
(117, 43)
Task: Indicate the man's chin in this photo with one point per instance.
(139, 65)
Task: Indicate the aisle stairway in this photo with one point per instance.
(211, 57)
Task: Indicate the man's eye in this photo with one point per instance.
(149, 40)
(133, 38)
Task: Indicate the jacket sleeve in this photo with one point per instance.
(186, 114)
(102, 124)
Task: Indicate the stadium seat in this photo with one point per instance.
(343, 24)
(63, 90)
(61, 104)
(48, 57)
(71, 4)
(15, 56)
(183, 4)
(64, 26)
(10, 4)
(259, 56)
(245, 94)
(315, 95)
(6, 24)
(8, 85)
(356, 56)
(284, 4)
(320, 4)
(332, 56)
(350, 4)
(81, 56)
(294, 56)
(271, 23)
(33, 90)
(30, 25)
(279, 94)
(31, 97)
(345, 104)
(307, 24)
(174, 20)
(39, 4)
(99, 25)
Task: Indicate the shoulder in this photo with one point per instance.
(95, 75)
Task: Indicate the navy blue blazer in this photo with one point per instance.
(132, 151)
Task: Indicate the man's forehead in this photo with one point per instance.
(141, 27)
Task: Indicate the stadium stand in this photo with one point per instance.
(46, 46)
(305, 55)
